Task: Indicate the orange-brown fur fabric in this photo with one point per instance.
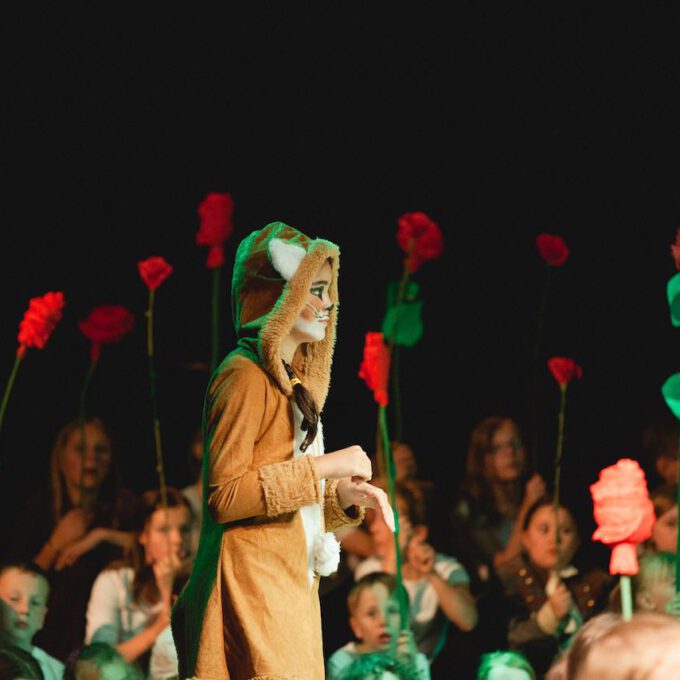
(248, 611)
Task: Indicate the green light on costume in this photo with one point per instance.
(673, 294)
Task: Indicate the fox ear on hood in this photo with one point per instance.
(285, 257)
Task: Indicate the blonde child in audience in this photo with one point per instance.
(653, 587)
(374, 618)
(130, 602)
(24, 590)
(437, 584)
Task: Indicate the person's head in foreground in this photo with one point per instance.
(591, 631)
(505, 665)
(18, 664)
(24, 589)
(100, 661)
(645, 648)
(373, 606)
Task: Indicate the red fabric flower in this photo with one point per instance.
(420, 238)
(564, 370)
(675, 250)
(39, 321)
(623, 512)
(154, 270)
(375, 367)
(553, 249)
(106, 323)
(215, 212)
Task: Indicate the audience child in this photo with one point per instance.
(100, 661)
(496, 494)
(664, 536)
(660, 441)
(551, 598)
(505, 665)
(653, 587)
(24, 590)
(645, 648)
(437, 584)
(373, 607)
(18, 664)
(73, 528)
(130, 602)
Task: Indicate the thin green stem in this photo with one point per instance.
(10, 384)
(558, 458)
(160, 468)
(391, 475)
(215, 319)
(536, 368)
(626, 598)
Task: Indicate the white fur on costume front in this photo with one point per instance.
(323, 549)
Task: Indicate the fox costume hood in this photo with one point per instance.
(251, 609)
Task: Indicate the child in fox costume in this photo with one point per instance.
(271, 498)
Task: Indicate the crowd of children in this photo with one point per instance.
(87, 586)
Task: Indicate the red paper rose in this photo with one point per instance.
(154, 270)
(553, 249)
(420, 238)
(215, 212)
(623, 512)
(564, 370)
(106, 323)
(375, 367)
(39, 321)
(675, 250)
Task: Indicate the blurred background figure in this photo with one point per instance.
(73, 527)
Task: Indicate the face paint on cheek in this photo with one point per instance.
(319, 315)
(313, 329)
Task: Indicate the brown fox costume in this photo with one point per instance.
(251, 607)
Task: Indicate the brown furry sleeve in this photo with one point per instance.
(334, 516)
(236, 488)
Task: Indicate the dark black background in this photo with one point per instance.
(500, 120)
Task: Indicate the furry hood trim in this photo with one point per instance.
(273, 272)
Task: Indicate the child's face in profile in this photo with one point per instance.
(23, 604)
(540, 538)
(665, 531)
(375, 620)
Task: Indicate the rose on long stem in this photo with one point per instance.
(391, 476)
(160, 468)
(394, 363)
